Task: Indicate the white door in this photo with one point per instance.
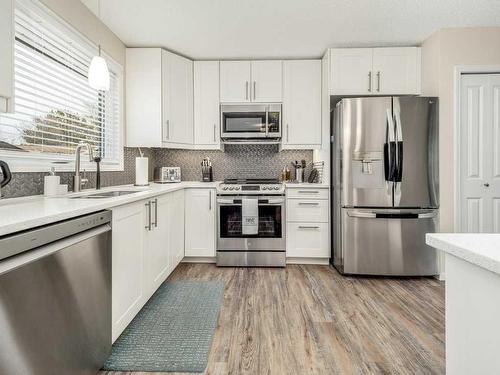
(206, 104)
(176, 220)
(200, 223)
(235, 81)
(480, 153)
(127, 264)
(351, 71)
(156, 245)
(396, 71)
(7, 53)
(267, 81)
(302, 103)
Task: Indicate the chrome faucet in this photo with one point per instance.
(77, 180)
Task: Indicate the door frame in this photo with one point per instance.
(457, 75)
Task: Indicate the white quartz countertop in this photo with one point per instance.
(19, 214)
(481, 249)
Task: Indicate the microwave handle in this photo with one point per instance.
(267, 121)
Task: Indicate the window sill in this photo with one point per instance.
(25, 163)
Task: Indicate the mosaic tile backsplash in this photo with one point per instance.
(237, 161)
(251, 161)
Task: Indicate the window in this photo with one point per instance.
(54, 107)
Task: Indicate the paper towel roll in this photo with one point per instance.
(141, 171)
(51, 185)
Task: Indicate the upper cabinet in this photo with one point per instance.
(177, 81)
(159, 102)
(206, 105)
(375, 71)
(7, 56)
(301, 104)
(251, 81)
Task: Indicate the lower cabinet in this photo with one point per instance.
(148, 243)
(200, 223)
(308, 224)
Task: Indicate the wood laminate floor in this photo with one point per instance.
(308, 319)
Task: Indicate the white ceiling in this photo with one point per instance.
(204, 29)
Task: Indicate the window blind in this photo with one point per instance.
(54, 107)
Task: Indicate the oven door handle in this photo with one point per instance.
(262, 202)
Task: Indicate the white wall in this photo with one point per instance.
(441, 52)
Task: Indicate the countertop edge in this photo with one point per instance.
(443, 242)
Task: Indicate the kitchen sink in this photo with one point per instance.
(105, 194)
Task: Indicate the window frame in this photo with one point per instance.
(24, 161)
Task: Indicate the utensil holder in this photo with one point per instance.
(207, 174)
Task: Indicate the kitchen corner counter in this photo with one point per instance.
(18, 214)
(480, 249)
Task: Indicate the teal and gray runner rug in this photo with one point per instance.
(173, 332)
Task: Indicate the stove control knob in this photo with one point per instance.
(224, 188)
(276, 188)
(237, 188)
(264, 187)
(231, 188)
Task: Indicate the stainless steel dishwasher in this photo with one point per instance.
(55, 297)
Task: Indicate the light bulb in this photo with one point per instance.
(99, 74)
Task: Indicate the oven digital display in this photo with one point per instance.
(250, 187)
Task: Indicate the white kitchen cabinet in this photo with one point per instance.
(157, 252)
(200, 229)
(251, 81)
(267, 81)
(206, 105)
(307, 240)
(127, 264)
(301, 104)
(177, 83)
(7, 56)
(375, 71)
(176, 225)
(396, 70)
(159, 99)
(351, 71)
(235, 77)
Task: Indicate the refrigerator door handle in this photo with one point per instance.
(399, 147)
(389, 148)
(392, 215)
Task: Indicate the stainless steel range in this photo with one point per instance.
(251, 223)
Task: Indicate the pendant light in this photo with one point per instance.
(98, 71)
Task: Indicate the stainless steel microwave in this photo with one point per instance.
(251, 123)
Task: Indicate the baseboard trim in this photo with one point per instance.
(199, 260)
(319, 261)
(441, 276)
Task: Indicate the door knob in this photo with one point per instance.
(487, 184)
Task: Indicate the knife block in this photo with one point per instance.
(207, 174)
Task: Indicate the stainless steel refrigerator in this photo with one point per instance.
(385, 185)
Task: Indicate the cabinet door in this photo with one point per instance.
(267, 81)
(206, 104)
(200, 222)
(156, 243)
(144, 105)
(176, 236)
(127, 264)
(351, 71)
(235, 81)
(177, 99)
(307, 240)
(7, 56)
(302, 103)
(396, 70)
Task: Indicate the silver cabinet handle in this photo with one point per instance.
(155, 202)
(378, 81)
(168, 129)
(308, 204)
(246, 90)
(210, 200)
(148, 205)
(308, 192)
(308, 227)
(287, 133)
(254, 90)
(370, 81)
(215, 130)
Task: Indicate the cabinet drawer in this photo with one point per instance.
(307, 240)
(307, 193)
(307, 210)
